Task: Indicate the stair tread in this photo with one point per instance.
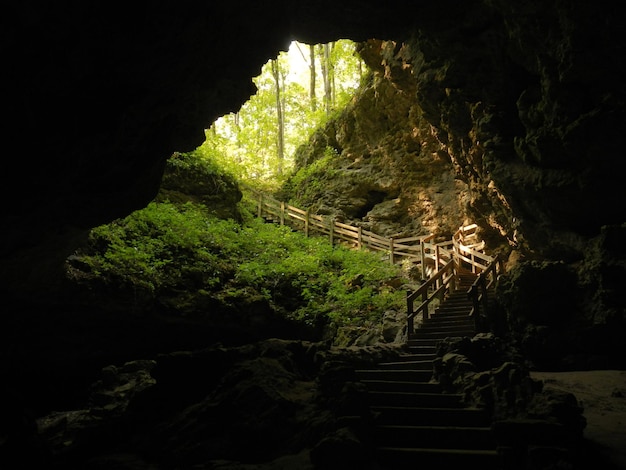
(400, 385)
(406, 362)
(438, 450)
(404, 373)
(416, 356)
(443, 409)
(456, 395)
(411, 410)
(486, 429)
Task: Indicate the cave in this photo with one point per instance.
(526, 100)
(372, 198)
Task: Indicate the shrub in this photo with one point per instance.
(166, 247)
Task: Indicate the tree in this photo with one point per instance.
(258, 142)
(313, 75)
(327, 71)
(280, 121)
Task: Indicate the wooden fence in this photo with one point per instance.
(416, 249)
(462, 253)
(440, 262)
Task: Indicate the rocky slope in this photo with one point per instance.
(380, 163)
(461, 123)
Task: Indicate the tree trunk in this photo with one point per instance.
(313, 76)
(325, 59)
(279, 119)
(331, 75)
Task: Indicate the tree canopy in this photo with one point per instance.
(296, 93)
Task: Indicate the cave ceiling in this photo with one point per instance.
(97, 97)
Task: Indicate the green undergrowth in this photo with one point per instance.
(168, 248)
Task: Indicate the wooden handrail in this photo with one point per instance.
(463, 251)
(411, 248)
(434, 287)
(478, 292)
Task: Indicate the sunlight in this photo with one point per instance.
(258, 142)
(298, 63)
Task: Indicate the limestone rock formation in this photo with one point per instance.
(523, 100)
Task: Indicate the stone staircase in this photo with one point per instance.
(416, 423)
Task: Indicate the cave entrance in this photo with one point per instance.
(372, 198)
(297, 92)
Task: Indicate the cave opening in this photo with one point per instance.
(133, 92)
(372, 198)
(297, 93)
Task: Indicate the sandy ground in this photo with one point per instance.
(602, 394)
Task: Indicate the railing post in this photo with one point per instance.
(306, 221)
(473, 294)
(423, 258)
(483, 288)
(409, 314)
(282, 213)
(437, 285)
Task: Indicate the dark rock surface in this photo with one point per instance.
(525, 101)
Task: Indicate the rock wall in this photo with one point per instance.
(504, 116)
(386, 171)
(526, 100)
(97, 97)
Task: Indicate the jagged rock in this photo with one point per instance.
(340, 450)
(514, 101)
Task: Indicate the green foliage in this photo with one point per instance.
(197, 169)
(159, 246)
(308, 182)
(167, 247)
(246, 142)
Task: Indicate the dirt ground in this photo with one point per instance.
(602, 394)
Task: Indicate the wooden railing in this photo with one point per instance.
(397, 249)
(479, 290)
(462, 253)
(440, 262)
(433, 288)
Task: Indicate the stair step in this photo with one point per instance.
(443, 334)
(395, 375)
(447, 309)
(408, 457)
(400, 386)
(448, 314)
(457, 437)
(425, 416)
(436, 400)
(460, 295)
(416, 357)
(446, 318)
(408, 365)
(422, 350)
(457, 299)
(421, 344)
(430, 327)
